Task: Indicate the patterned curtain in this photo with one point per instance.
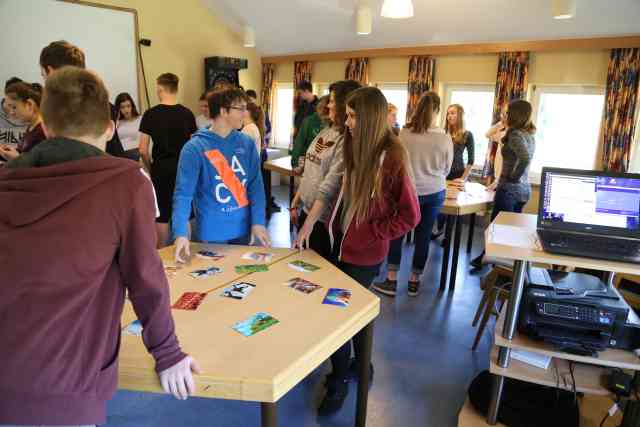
(422, 75)
(301, 72)
(511, 83)
(268, 84)
(358, 70)
(620, 107)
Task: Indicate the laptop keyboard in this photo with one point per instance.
(592, 246)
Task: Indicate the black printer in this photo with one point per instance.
(577, 313)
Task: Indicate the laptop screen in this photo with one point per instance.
(590, 200)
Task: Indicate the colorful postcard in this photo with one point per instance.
(254, 324)
(304, 286)
(337, 296)
(189, 301)
(251, 268)
(238, 290)
(258, 256)
(303, 267)
(209, 255)
(133, 328)
(203, 274)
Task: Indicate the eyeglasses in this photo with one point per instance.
(243, 109)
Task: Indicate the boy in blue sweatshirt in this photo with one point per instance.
(219, 171)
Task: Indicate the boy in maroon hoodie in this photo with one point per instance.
(80, 227)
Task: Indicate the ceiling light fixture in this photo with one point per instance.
(563, 9)
(248, 37)
(364, 19)
(397, 9)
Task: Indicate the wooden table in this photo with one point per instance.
(513, 237)
(473, 200)
(283, 167)
(264, 367)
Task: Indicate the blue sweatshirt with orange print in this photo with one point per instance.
(221, 179)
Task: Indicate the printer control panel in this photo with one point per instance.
(575, 312)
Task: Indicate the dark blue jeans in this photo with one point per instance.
(340, 359)
(430, 206)
(506, 201)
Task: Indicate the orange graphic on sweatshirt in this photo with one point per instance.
(229, 178)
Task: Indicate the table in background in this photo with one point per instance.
(513, 237)
(283, 167)
(264, 367)
(475, 199)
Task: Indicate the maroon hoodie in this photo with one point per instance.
(73, 236)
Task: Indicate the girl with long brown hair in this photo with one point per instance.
(431, 152)
(462, 140)
(254, 125)
(518, 146)
(377, 203)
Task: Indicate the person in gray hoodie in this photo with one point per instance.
(322, 176)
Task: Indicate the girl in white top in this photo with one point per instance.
(254, 125)
(128, 125)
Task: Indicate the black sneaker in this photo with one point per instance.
(413, 289)
(388, 287)
(333, 400)
(353, 372)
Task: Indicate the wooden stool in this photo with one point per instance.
(493, 291)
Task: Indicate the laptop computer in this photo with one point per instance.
(590, 214)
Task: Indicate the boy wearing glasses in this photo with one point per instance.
(219, 174)
(169, 125)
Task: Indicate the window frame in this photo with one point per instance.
(274, 133)
(534, 94)
(394, 86)
(448, 88)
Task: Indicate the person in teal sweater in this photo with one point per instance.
(311, 127)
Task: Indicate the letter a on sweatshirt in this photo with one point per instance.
(229, 178)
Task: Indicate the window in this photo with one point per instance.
(568, 121)
(634, 165)
(283, 115)
(396, 94)
(477, 101)
(322, 89)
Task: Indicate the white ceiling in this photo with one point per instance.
(296, 26)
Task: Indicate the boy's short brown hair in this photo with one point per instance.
(169, 81)
(61, 53)
(75, 103)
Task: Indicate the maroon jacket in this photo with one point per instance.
(392, 215)
(73, 236)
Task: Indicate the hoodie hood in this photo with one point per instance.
(28, 195)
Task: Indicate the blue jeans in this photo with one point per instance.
(506, 201)
(430, 206)
(244, 241)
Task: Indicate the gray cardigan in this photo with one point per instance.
(518, 148)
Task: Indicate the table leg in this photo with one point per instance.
(291, 185)
(472, 225)
(366, 344)
(456, 252)
(508, 331)
(444, 273)
(291, 195)
(269, 414)
(267, 177)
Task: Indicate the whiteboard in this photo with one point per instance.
(106, 36)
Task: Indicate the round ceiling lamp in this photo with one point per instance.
(563, 9)
(364, 18)
(397, 9)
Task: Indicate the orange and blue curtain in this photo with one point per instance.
(268, 85)
(511, 84)
(620, 106)
(422, 77)
(358, 69)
